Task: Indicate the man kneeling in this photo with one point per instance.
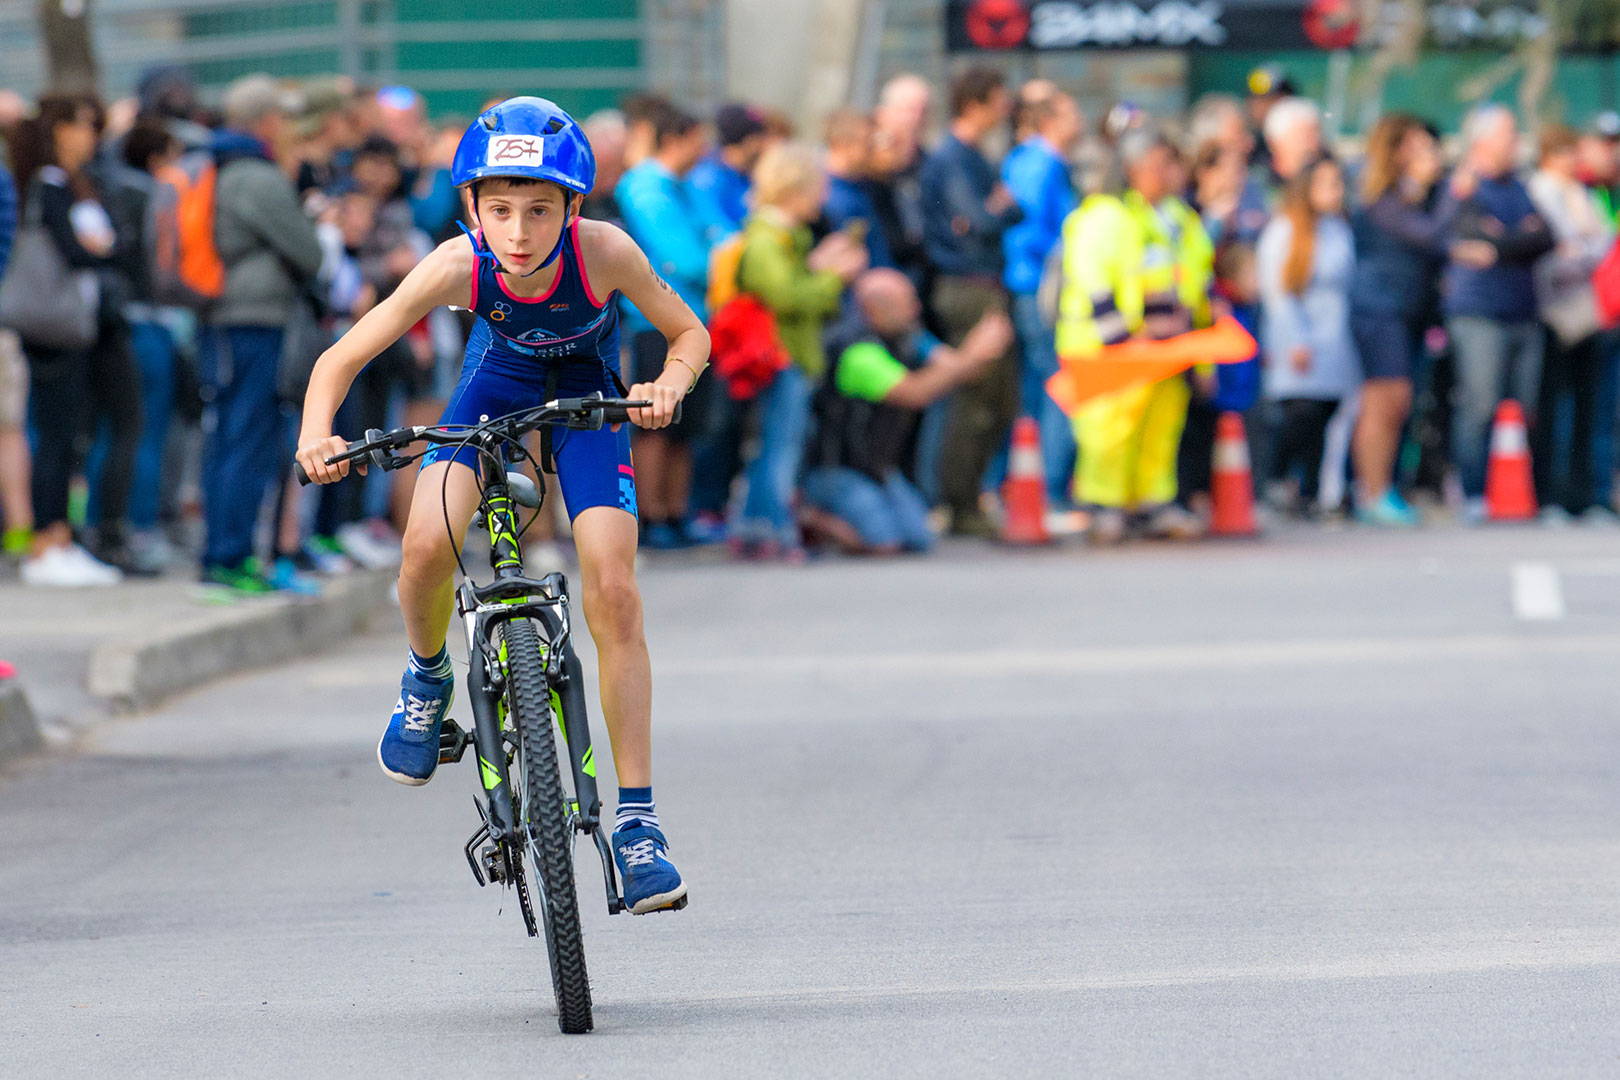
(867, 412)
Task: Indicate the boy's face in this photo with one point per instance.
(521, 224)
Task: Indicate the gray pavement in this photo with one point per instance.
(1327, 805)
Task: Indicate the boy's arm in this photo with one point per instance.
(615, 263)
(444, 277)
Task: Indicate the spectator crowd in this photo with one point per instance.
(886, 296)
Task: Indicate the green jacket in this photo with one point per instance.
(773, 268)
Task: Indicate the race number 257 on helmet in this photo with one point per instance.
(528, 137)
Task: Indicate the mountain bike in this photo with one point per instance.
(523, 678)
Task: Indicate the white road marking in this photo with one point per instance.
(1538, 594)
(1113, 660)
(1420, 960)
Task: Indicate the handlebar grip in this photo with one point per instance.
(303, 477)
(617, 414)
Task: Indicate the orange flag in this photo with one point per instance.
(1130, 363)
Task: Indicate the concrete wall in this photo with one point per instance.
(799, 56)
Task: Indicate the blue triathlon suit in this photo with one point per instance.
(517, 345)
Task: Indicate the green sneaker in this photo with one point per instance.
(246, 578)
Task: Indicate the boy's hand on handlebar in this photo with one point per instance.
(664, 399)
(313, 453)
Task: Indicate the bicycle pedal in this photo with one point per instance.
(452, 743)
(674, 906)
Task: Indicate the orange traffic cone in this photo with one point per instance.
(1510, 494)
(1232, 484)
(1023, 496)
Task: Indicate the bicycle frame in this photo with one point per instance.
(482, 608)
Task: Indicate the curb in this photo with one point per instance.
(137, 674)
(19, 732)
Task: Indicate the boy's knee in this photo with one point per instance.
(614, 601)
(425, 553)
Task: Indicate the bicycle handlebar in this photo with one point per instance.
(586, 412)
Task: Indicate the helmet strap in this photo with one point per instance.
(480, 246)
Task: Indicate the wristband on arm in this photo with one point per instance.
(696, 372)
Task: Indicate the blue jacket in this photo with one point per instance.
(848, 200)
(8, 217)
(1400, 250)
(1038, 177)
(723, 190)
(960, 236)
(1505, 290)
(663, 216)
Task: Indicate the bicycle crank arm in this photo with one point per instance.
(610, 873)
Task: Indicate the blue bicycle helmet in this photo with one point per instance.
(528, 137)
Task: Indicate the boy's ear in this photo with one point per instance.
(469, 201)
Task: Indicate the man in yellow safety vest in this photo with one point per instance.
(1136, 265)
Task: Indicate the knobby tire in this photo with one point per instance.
(528, 698)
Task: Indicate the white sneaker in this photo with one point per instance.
(69, 567)
(1063, 523)
(362, 545)
(151, 550)
(110, 575)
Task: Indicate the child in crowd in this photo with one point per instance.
(1306, 261)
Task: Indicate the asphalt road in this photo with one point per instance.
(1331, 805)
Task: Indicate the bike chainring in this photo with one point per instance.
(520, 882)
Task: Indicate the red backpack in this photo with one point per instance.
(1606, 287)
(744, 347)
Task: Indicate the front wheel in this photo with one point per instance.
(543, 818)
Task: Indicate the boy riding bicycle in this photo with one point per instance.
(543, 283)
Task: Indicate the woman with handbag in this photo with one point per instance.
(79, 363)
(1577, 347)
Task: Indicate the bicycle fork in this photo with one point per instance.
(567, 679)
(570, 691)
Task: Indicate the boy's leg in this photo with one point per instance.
(605, 537)
(409, 749)
(428, 558)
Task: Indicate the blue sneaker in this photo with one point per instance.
(284, 576)
(409, 750)
(706, 528)
(664, 536)
(651, 882)
(1390, 512)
